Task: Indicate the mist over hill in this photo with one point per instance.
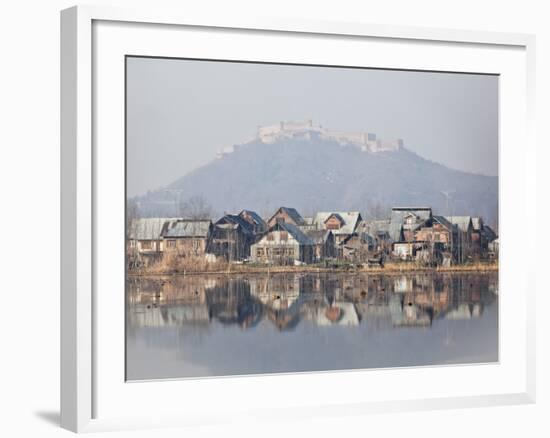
(318, 175)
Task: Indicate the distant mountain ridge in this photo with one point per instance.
(317, 174)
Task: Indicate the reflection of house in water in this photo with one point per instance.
(279, 296)
(230, 302)
(175, 315)
(465, 311)
(338, 313)
(406, 313)
(285, 300)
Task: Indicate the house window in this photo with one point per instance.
(146, 244)
(270, 236)
(171, 243)
(284, 236)
(260, 252)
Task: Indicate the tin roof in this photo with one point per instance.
(255, 217)
(477, 223)
(294, 231)
(398, 215)
(443, 221)
(349, 219)
(292, 213)
(463, 222)
(186, 228)
(146, 228)
(235, 221)
(318, 237)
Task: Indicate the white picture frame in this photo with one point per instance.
(86, 376)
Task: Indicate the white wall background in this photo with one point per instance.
(29, 205)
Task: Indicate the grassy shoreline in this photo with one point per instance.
(389, 269)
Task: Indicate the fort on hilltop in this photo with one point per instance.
(365, 141)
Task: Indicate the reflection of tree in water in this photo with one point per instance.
(322, 299)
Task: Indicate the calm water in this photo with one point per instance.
(249, 324)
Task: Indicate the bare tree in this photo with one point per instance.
(196, 207)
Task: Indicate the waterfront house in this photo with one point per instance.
(342, 224)
(357, 247)
(404, 221)
(379, 230)
(144, 244)
(231, 238)
(186, 237)
(437, 230)
(283, 244)
(258, 224)
(324, 245)
(463, 244)
(144, 235)
(482, 235)
(288, 215)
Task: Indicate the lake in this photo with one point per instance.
(218, 325)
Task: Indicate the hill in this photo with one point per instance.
(318, 175)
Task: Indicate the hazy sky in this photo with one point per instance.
(180, 112)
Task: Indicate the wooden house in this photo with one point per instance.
(283, 244)
(463, 245)
(324, 244)
(288, 215)
(404, 221)
(341, 224)
(231, 238)
(144, 235)
(186, 237)
(258, 224)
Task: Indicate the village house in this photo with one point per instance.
(288, 215)
(463, 244)
(186, 237)
(379, 230)
(404, 221)
(144, 244)
(283, 244)
(144, 236)
(482, 235)
(231, 238)
(324, 246)
(438, 230)
(357, 247)
(342, 224)
(258, 224)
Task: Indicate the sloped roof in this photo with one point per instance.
(489, 233)
(256, 218)
(186, 228)
(294, 231)
(463, 222)
(236, 221)
(443, 221)
(375, 227)
(146, 228)
(318, 236)
(350, 220)
(477, 223)
(292, 213)
(398, 215)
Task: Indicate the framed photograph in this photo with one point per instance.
(282, 217)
